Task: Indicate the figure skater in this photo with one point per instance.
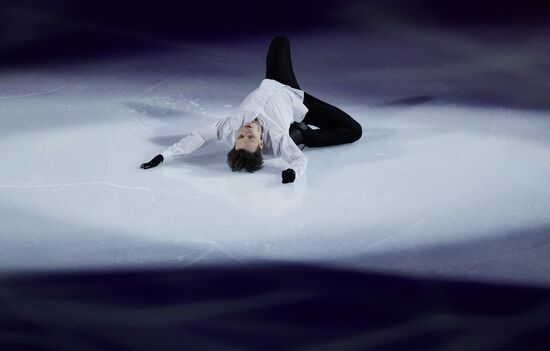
(269, 120)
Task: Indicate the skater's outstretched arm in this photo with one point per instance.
(220, 130)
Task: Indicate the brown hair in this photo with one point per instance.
(239, 159)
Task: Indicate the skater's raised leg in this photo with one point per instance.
(336, 126)
(279, 63)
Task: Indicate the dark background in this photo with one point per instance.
(34, 31)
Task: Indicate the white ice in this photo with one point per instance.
(441, 183)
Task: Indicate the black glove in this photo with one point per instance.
(288, 175)
(154, 162)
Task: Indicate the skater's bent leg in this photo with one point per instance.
(335, 126)
(279, 64)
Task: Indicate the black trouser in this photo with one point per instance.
(335, 126)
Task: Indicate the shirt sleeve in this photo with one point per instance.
(221, 130)
(292, 154)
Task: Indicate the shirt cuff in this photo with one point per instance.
(167, 156)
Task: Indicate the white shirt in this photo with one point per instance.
(276, 105)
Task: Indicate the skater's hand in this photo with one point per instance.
(288, 175)
(154, 162)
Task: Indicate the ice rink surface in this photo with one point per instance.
(450, 178)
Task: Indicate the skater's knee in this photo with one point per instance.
(356, 132)
(279, 39)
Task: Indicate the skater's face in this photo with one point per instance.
(249, 137)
